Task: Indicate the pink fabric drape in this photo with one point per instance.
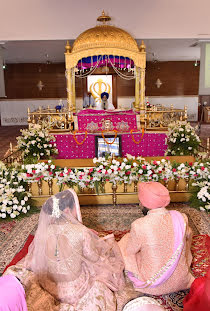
(12, 294)
(179, 234)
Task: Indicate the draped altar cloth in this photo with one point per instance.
(92, 120)
(152, 145)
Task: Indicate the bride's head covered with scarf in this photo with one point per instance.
(60, 231)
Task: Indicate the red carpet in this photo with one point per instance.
(22, 253)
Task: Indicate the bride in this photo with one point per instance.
(72, 267)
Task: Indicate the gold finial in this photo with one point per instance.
(68, 47)
(103, 18)
(142, 47)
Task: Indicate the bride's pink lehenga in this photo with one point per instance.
(68, 267)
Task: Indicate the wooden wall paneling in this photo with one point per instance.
(114, 90)
(178, 78)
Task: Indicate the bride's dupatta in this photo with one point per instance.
(167, 270)
(64, 250)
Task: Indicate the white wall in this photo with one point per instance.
(2, 85)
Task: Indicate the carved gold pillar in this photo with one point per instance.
(70, 86)
(137, 90)
(73, 91)
(142, 88)
(69, 89)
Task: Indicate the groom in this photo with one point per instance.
(156, 252)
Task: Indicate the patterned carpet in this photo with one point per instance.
(107, 219)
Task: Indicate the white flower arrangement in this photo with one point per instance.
(182, 139)
(201, 186)
(14, 198)
(36, 143)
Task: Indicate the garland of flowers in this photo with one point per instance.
(82, 142)
(14, 198)
(102, 133)
(137, 142)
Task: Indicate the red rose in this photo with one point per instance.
(190, 164)
(174, 170)
(144, 167)
(127, 173)
(202, 168)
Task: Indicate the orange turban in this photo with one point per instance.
(153, 195)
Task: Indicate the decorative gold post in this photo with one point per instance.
(73, 91)
(142, 88)
(135, 186)
(39, 186)
(114, 195)
(50, 184)
(69, 82)
(137, 90)
(142, 50)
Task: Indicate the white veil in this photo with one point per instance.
(64, 250)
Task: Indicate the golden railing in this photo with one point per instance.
(42, 190)
(13, 155)
(56, 120)
(159, 117)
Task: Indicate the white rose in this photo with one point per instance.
(3, 215)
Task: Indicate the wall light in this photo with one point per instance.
(158, 83)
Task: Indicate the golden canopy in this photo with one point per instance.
(106, 40)
(105, 36)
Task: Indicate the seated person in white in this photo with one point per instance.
(104, 104)
(89, 101)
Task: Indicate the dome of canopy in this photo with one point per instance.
(105, 36)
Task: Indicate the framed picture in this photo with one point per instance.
(102, 148)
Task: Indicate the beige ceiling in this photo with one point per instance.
(53, 50)
(62, 19)
(30, 30)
